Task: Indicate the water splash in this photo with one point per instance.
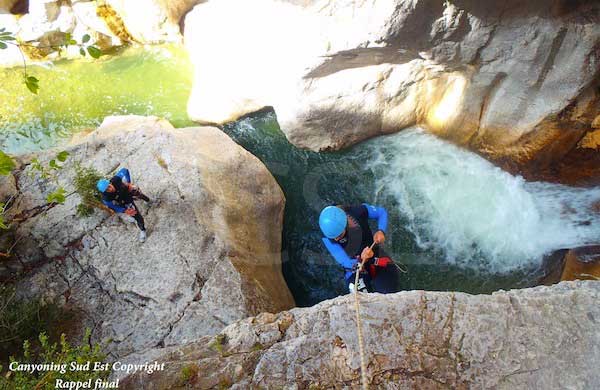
(473, 213)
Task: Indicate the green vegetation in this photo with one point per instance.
(59, 354)
(189, 373)
(225, 384)
(257, 347)
(31, 82)
(218, 343)
(50, 172)
(21, 320)
(85, 185)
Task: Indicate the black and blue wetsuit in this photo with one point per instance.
(123, 197)
(358, 236)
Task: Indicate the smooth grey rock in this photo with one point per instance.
(514, 81)
(212, 255)
(543, 337)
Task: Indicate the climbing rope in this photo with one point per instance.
(363, 365)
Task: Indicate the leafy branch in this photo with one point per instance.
(31, 82)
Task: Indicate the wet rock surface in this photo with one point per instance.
(582, 263)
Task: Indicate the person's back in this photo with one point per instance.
(349, 239)
(118, 194)
(121, 196)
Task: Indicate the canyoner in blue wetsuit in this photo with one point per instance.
(118, 194)
(348, 238)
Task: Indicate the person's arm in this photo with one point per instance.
(339, 254)
(378, 213)
(136, 193)
(117, 209)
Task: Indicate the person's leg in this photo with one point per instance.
(140, 222)
(139, 219)
(138, 194)
(388, 277)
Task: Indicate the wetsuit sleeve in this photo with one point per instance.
(378, 213)
(339, 254)
(116, 208)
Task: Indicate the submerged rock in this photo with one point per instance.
(516, 82)
(544, 337)
(212, 255)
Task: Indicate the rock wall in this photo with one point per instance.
(540, 338)
(212, 255)
(154, 21)
(517, 82)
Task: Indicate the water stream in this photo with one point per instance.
(456, 221)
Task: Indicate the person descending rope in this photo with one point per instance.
(118, 194)
(349, 239)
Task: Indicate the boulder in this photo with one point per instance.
(582, 263)
(6, 6)
(151, 21)
(111, 23)
(544, 337)
(212, 255)
(516, 82)
(46, 23)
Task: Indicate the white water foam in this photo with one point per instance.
(477, 215)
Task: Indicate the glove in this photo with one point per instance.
(131, 211)
(383, 261)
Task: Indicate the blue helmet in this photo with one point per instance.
(333, 221)
(102, 185)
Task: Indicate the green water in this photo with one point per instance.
(312, 180)
(77, 95)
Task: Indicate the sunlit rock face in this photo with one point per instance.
(545, 337)
(213, 251)
(6, 5)
(153, 21)
(46, 23)
(517, 82)
(109, 23)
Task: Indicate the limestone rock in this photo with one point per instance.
(6, 5)
(155, 21)
(111, 23)
(544, 337)
(44, 27)
(212, 255)
(516, 82)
